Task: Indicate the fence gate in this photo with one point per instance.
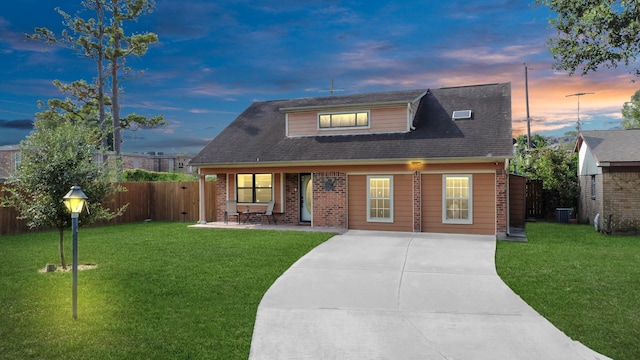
(535, 199)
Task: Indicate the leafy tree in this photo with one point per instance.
(592, 33)
(522, 156)
(102, 39)
(557, 168)
(631, 112)
(56, 156)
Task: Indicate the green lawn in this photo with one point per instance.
(585, 283)
(160, 291)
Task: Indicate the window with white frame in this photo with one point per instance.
(457, 201)
(593, 186)
(17, 161)
(254, 188)
(356, 119)
(380, 198)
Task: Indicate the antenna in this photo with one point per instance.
(578, 127)
(332, 89)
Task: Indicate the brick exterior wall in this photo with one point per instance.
(621, 198)
(417, 202)
(221, 196)
(291, 200)
(501, 201)
(330, 199)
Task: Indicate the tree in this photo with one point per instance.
(631, 112)
(557, 168)
(56, 156)
(522, 156)
(592, 33)
(122, 46)
(88, 42)
(103, 40)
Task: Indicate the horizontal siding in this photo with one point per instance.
(402, 204)
(382, 121)
(483, 206)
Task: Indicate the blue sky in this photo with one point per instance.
(215, 58)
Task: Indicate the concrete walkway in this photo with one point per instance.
(387, 295)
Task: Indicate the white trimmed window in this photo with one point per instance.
(380, 198)
(457, 203)
(17, 159)
(356, 119)
(254, 188)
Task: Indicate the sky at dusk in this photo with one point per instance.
(214, 58)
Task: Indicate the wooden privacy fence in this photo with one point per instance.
(157, 201)
(541, 203)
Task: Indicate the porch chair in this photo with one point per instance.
(268, 212)
(232, 210)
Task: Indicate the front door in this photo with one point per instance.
(306, 197)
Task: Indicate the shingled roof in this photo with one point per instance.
(258, 134)
(612, 146)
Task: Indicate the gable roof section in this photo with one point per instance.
(612, 147)
(257, 135)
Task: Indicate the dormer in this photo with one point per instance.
(376, 113)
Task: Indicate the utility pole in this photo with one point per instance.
(526, 94)
(578, 126)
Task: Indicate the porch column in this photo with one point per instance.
(202, 214)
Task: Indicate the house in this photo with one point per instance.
(609, 173)
(157, 161)
(432, 160)
(10, 158)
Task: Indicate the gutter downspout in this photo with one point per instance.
(506, 170)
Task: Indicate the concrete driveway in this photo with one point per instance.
(388, 295)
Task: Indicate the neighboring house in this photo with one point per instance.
(609, 172)
(10, 158)
(160, 162)
(9, 161)
(417, 160)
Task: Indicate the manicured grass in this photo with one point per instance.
(585, 283)
(160, 291)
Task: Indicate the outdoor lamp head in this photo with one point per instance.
(75, 199)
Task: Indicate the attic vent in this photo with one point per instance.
(461, 115)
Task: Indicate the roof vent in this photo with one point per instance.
(461, 115)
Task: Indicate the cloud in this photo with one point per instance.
(489, 56)
(17, 124)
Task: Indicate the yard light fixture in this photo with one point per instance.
(75, 201)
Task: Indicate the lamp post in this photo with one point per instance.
(75, 201)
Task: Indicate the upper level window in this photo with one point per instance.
(457, 200)
(343, 120)
(254, 188)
